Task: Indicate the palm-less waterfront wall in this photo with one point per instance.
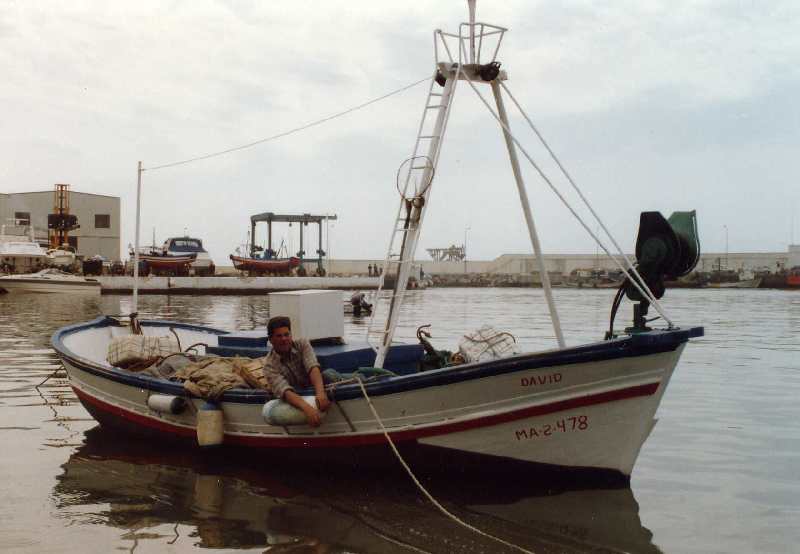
(524, 264)
(519, 264)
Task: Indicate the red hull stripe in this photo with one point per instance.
(306, 441)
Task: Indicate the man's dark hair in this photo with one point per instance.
(277, 322)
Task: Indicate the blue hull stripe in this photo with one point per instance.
(644, 344)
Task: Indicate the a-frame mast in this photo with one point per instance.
(416, 176)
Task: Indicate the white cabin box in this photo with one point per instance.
(315, 314)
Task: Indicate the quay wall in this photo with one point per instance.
(230, 285)
(523, 264)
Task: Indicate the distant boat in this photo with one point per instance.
(793, 277)
(746, 284)
(170, 265)
(201, 265)
(49, 280)
(20, 253)
(593, 279)
(262, 267)
(178, 256)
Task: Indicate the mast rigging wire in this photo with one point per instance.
(285, 133)
(631, 267)
(567, 205)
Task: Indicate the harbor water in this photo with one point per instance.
(719, 473)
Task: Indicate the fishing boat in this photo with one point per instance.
(258, 266)
(50, 280)
(582, 407)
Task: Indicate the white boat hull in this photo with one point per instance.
(594, 414)
(22, 284)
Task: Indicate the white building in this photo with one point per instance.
(98, 216)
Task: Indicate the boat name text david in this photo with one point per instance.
(537, 380)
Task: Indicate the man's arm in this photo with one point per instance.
(319, 389)
(312, 415)
(314, 373)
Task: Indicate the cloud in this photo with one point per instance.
(650, 105)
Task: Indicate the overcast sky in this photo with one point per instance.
(650, 105)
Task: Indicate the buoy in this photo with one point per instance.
(210, 431)
(166, 403)
(280, 413)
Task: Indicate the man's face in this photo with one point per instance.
(281, 340)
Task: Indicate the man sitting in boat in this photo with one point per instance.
(293, 364)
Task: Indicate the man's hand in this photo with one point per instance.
(313, 416)
(322, 402)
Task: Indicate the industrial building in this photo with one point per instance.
(98, 219)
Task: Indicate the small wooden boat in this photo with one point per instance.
(254, 265)
(589, 406)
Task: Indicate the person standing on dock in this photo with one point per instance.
(292, 363)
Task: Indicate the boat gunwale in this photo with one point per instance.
(643, 344)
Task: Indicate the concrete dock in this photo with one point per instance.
(231, 285)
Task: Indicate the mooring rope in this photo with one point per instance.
(422, 489)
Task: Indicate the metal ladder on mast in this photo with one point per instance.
(414, 192)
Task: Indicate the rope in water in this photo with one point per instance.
(422, 488)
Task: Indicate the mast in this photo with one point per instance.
(420, 170)
(135, 307)
(526, 209)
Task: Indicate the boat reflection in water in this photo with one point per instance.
(209, 499)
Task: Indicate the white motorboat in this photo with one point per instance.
(50, 280)
(586, 406)
(202, 265)
(20, 253)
